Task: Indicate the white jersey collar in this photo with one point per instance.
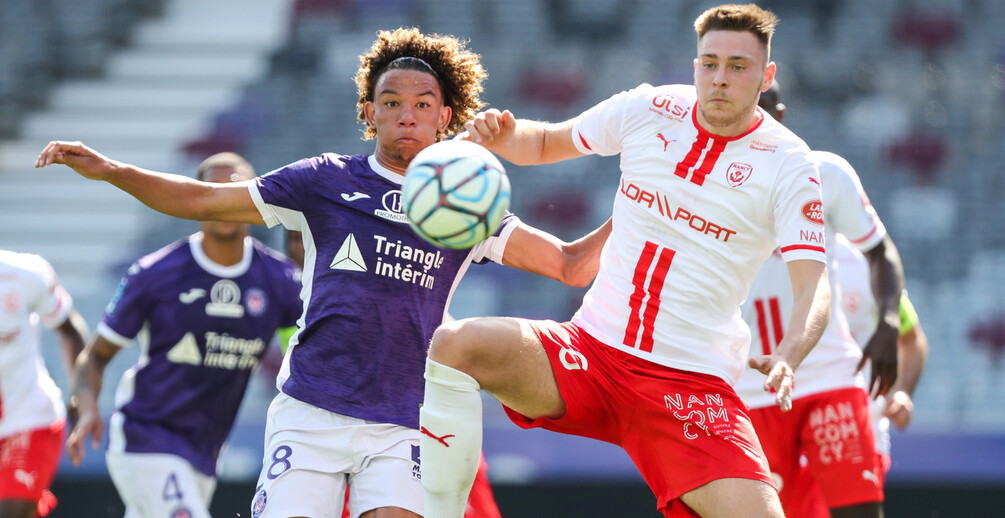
(236, 270)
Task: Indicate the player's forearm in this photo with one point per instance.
(171, 194)
(72, 337)
(887, 281)
(912, 354)
(809, 318)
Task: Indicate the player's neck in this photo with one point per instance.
(740, 127)
(224, 251)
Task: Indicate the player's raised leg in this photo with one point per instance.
(727, 497)
(501, 355)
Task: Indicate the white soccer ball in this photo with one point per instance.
(455, 194)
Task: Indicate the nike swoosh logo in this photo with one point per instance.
(191, 295)
(354, 196)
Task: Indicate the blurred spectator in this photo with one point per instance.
(989, 334)
(930, 31)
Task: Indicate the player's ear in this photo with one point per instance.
(445, 114)
(368, 113)
(769, 76)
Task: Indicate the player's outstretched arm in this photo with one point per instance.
(887, 279)
(810, 314)
(522, 141)
(536, 251)
(171, 194)
(85, 386)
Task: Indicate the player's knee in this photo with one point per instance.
(451, 344)
(461, 344)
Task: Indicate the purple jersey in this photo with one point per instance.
(374, 292)
(203, 327)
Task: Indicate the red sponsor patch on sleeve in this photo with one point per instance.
(813, 211)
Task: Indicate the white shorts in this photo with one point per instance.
(160, 484)
(311, 453)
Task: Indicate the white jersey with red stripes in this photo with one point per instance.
(29, 293)
(694, 218)
(832, 362)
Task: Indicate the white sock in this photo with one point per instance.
(452, 412)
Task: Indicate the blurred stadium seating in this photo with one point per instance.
(910, 92)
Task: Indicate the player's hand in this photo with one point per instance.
(779, 380)
(86, 420)
(75, 155)
(882, 350)
(490, 128)
(899, 408)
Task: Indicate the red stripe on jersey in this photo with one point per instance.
(692, 156)
(711, 157)
(653, 305)
(762, 327)
(776, 319)
(635, 302)
(803, 247)
(583, 140)
(867, 236)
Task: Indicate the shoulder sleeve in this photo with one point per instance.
(51, 301)
(128, 310)
(599, 129)
(798, 209)
(908, 316)
(493, 248)
(846, 206)
(282, 194)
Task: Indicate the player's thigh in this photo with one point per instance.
(506, 357)
(156, 484)
(301, 493)
(389, 479)
(731, 497)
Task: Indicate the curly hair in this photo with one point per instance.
(458, 71)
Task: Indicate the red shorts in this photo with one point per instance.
(28, 462)
(481, 501)
(833, 430)
(682, 429)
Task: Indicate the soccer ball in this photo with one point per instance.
(455, 194)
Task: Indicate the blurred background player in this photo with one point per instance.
(204, 310)
(32, 412)
(649, 360)
(829, 394)
(859, 306)
(351, 382)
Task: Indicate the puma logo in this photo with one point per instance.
(665, 141)
(442, 440)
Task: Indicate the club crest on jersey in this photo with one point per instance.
(256, 302)
(813, 211)
(738, 173)
(225, 300)
(258, 507)
(392, 207)
(181, 512)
